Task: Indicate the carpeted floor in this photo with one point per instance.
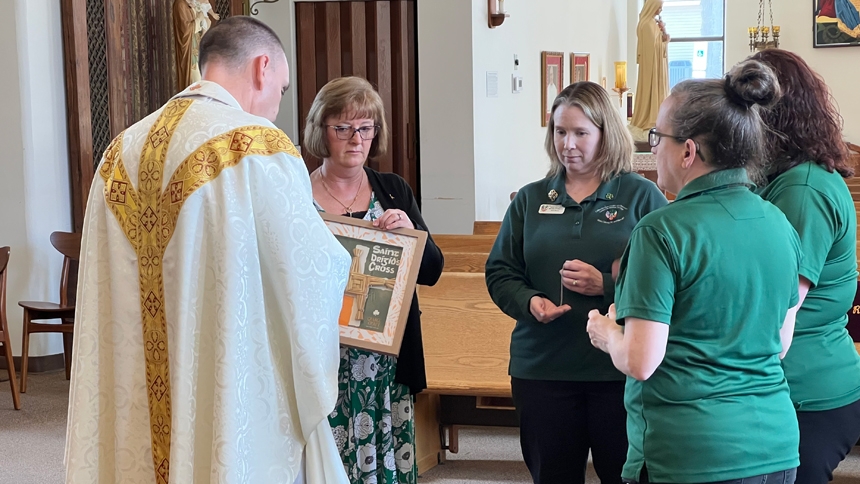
(32, 438)
(32, 444)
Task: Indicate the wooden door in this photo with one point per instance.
(371, 39)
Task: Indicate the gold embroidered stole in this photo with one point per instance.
(148, 215)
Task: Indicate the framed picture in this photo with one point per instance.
(580, 67)
(835, 23)
(552, 81)
(381, 282)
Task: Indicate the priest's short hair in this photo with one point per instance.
(236, 40)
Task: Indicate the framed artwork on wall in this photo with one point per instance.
(381, 282)
(580, 67)
(835, 23)
(552, 81)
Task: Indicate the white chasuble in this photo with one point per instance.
(206, 340)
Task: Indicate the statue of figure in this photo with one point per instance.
(652, 85)
(191, 19)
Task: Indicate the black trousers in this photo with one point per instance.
(825, 439)
(560, 421)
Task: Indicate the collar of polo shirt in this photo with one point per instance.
(606, 191)
(716, 179)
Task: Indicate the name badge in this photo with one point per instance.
(551, 209)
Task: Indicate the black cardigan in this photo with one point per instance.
(392, 191)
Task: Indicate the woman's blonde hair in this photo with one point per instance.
(615, 153)
(351, 96)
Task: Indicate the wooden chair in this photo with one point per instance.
(70, 246)
(4, 329)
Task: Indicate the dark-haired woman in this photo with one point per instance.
(706, 398)
(808, 163)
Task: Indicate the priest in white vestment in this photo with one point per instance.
(206, 340)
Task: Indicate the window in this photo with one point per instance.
(697, 47)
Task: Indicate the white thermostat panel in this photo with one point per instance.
(517, 83)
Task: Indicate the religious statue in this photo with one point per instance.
(652, 85)
(191, 19)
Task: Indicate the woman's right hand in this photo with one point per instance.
(544, 310)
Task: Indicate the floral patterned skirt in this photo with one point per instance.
(373, 421)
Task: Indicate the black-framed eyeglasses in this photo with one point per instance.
(654, 140)
(347, 132)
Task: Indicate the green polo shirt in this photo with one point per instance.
(822, 365)
(719, 265)
(531, 249)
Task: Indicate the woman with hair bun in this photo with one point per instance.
(808, 164)
(706, 397)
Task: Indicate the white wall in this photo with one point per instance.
(476, 150)
(509, 139)
(279, 16)
(34, 188)
(447, 117)
(839, 66)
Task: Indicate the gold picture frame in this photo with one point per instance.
(381, 282)
(580, 67)
(831, 26)
(551, 82)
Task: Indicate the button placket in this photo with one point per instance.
(577, 221)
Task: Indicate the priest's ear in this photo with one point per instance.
(259, 66)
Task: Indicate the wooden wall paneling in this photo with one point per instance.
(116, 26)
(307, 74)
(321, 44)
(136, 61)
(399, 88)
(73, 15)
(332, 40)
(370, 39)
(345, 38)
(379, 67)
(354, 39)
(162, 48)
(239, 7)
(412, 85)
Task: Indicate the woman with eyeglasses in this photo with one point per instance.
(373, 420)
(551, 263)
(808, 164)
(708, 290)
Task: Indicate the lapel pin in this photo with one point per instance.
(552, 195)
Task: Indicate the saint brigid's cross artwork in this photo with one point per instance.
(360, 283)
(380, 285)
